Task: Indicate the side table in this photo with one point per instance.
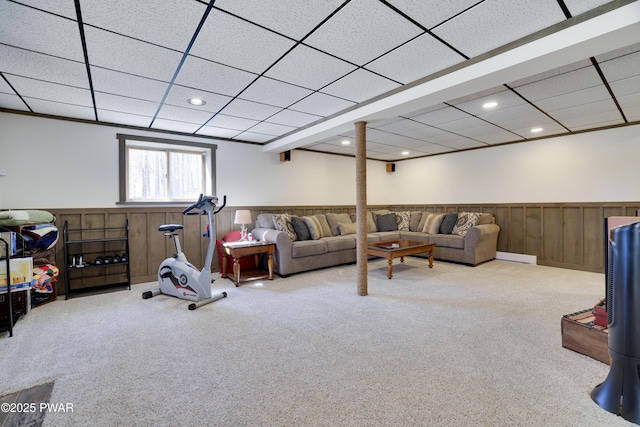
(247, 248)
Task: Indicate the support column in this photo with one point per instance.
(361, 207)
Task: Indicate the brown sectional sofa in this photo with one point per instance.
(334, 242)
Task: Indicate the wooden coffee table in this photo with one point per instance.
(400, 249)
(248, 248)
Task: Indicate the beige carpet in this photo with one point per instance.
(448, 346)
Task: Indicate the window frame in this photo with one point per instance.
(178, 145)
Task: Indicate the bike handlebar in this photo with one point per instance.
(202, 200)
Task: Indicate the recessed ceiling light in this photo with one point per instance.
(536, 130)
(196, 101)
(346, 142)
(489, 104)
(405, 153)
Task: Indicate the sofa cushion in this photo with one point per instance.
(326, 230)
(466, 220)
(432, 224)
(371, 224)
(448, 223)
(447, 241)
(333, 219)
(339, 243)
(308, 248)
(402, 220)
(414, 222)
(265, 221)
(386, 222)
(312, 223)
(283, 223)
(301, 229)
(347, 228)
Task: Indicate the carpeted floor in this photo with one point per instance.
(448, 346)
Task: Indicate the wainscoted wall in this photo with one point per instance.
(566, 235)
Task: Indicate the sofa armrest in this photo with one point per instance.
(282, 257)
(481, 243)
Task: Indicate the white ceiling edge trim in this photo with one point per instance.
(603, 33)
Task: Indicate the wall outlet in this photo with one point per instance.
(3, 172)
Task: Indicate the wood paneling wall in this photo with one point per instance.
(566, 235)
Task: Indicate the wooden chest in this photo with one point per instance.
(581, 334)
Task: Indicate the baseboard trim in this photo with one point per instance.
(522, 258)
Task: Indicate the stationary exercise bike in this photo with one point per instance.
(177, 276)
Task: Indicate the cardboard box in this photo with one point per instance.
(10, 237)
(21, 273)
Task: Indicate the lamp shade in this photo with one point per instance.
(242, 217)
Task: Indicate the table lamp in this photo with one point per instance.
(243, 217)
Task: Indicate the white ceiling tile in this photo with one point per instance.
(5, 88)
(494, 23)
(441, 115)
(479, 97)
(250, 110)
(44, 67)
(166, 23)
(230, 122)
(217, 132)
(617, 53)
(398, 126)
(551, 73)
(321, 104)
(271, 129)
(430, 13)
(253, 137)
(461, 143)
(499, 137)
(433, 148)
(231, 41)
(60, 7)
(594, 112)
(630, 104)
(125, 104)
(284, 16)
(51, 91)
(12, 102)
(523, 113)
(269, 91)
(42, 106)
(175, 126)
(118, 117)
(360, 86)
(124, 54)
(621, 67)
(597, 120)
(293, 118)
(579, 97)
(362, 30)
(420, 57)
(117, 83)
(179, 94)
(548, 128)
(309, 68)
(576, 7)
(424, 133)
(468, 126)
(561, 84)
(212, 77)
(28, 28)
(505, 99)
(183, 114)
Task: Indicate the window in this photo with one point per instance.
(165, 171)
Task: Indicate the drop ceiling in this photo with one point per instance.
(290, 74)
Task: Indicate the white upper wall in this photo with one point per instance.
(62, 164)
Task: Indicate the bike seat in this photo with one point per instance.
(170, 227)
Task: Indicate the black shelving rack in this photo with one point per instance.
(8, 326)
(113, 244)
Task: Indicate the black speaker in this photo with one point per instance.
(620, 391)
(285, 156)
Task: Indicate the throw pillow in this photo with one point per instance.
(387, 222)
(432, 225)
(415, 221)
(484, 218)
(402, 220)
(336, 218)
(302, 232)
(326, 230)
(448, 223)
(347, 228)
(466, 220)
(312, 223)
(423, 219)
(371, 224)
(283, 223)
